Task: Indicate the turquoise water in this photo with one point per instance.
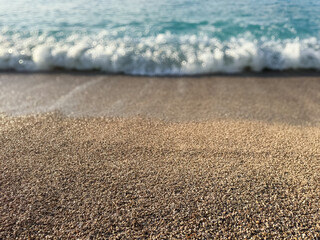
(159, 37)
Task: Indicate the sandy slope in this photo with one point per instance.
(234, 164)
(143, 178)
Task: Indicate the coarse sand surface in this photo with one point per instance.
(85, 156)
(142, 178)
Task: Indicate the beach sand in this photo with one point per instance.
(116, 157)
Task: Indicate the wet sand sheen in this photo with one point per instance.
(232, 170)
(269, 98)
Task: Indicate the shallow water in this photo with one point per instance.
(159, 37)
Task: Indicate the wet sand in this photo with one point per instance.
(136, 158)
(268, 97)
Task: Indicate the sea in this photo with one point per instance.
(160, 37)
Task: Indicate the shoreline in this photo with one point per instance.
(263, 74)
(292, 100)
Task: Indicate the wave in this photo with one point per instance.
(164, 54)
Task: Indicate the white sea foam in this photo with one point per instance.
(164, 54)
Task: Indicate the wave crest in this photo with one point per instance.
(164, 54)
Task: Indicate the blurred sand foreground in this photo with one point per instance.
(89, 156)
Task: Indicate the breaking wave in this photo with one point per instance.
(164, 54)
